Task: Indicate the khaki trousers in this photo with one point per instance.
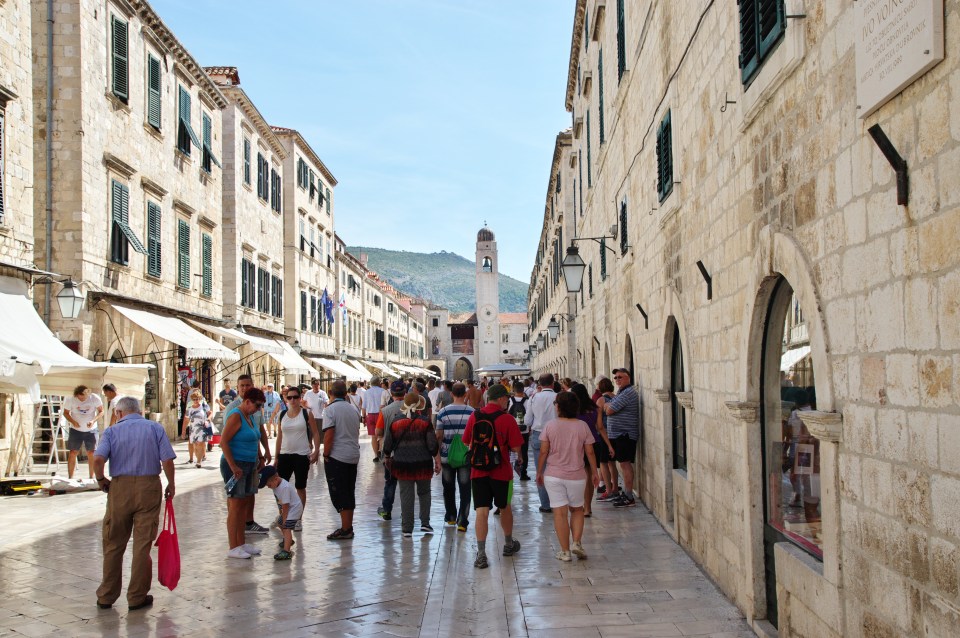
(133, 505)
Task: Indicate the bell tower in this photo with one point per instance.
(488, 299)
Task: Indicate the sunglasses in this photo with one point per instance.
(292, 397)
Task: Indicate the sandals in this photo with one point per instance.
(280, 544)
(283, 555)
(341, 535)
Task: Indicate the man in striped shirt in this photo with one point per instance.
(451, 421)
(623, 427)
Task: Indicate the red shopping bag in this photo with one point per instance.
(168, 550)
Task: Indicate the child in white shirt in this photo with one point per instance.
(289, 504)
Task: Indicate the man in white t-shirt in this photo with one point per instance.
(112, 396)
(81, 412)
(317, 400)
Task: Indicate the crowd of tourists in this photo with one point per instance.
(479, 438)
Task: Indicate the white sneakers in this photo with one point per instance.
(253, 550)
(238, 552)
(564, 556)
(578, 551)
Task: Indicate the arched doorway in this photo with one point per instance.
(435, 370)
(463, 369)
(791, 455)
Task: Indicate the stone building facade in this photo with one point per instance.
(791, 327)
(136, 196)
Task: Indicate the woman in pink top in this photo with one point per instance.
(564, 441)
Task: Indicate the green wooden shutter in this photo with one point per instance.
(154, 259)
(119, 249)
(206, 259)
(183, 254)
(664, 158)
(154, 88)
(260, 175)
(621, 41)
(328, 203)
(208, 156)
(119, 49)
(589, 156)
(771, 22)
(590, 279)
(603, 259)
(600, 94)
(246, 161)
(303, 310)
(243, 283)
(624, 241)
(186, 134)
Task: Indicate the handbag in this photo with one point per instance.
(457, 452)
(168, 550)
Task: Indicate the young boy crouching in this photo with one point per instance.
(288, 501)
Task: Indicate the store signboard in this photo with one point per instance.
(897, 41)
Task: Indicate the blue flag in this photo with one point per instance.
(327, 306)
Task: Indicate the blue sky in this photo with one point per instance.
(433, 115)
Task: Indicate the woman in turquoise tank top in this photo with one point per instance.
(240, 443)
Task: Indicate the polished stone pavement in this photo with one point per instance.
(636, 582)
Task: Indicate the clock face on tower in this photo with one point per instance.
(487, 312)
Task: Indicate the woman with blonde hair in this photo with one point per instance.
(196, 423)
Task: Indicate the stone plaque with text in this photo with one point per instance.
(897, 41)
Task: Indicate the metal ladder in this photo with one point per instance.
(46, 422)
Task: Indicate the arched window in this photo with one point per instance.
(679, 415)
(487, 265)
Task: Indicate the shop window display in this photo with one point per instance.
(792, 454)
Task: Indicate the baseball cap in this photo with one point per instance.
(398, 387)
(497, 391)
(265, 474)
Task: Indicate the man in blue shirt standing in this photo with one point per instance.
(137, 448)
(623, 428)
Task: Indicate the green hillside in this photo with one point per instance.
(446, 279)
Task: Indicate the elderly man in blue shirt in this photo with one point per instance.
(623, 428)
(137, 448)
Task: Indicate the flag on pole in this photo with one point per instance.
(327, 306)
(343, 306)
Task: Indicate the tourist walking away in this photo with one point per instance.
(388, 414)
(137, 449)
(197, 428)
(517, 407)
(590, 415)
(81, 411)
(271, 408)
(455, 473)
(410, 444)
(623, 426)
(609, 477)
(564, 442)
(491, 434)
(370, 411)
(474, 395)
(112, 396)
(354, 397)
(244, 385)
(341, 455)
(542, 410)
(289, 504)
(298, 445)
(444, 397)
(240, 442)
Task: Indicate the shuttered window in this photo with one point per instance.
(590, 279)
(328, 201)
(624, 240)
(207, 156)
(762, 25)
(183, 254)
(122, 236)
(603, 137)
(603, 259)
(154, 255)
(246, 161)
(120, 61)
(664, 158)
(154, 97)
(314, 324)
(621, 41)
(589, 157)
(263, 290)
(275, 185)
(185, 133)
(303, 310)
(206, 259)
(277, 301)
(244, 301)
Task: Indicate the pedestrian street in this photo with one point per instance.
(636, 581)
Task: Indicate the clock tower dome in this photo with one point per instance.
(488, 299)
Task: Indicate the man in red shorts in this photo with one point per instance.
(370, 408)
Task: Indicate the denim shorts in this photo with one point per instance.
(249, 480)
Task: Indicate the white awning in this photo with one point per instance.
(339, 368)
(382, 367)
(292, 362)
(34, 361)
(258, 344)
(176, 331)
(365, 375)
(791, 357)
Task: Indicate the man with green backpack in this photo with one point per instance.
(455, 471)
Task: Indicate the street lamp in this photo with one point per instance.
(541, 342)
(553, 328)
(70, 299)
(296, 346)
(343, 355)
(573, 267)
(533, 348)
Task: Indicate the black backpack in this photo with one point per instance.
(518, 410)
(485, 451)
